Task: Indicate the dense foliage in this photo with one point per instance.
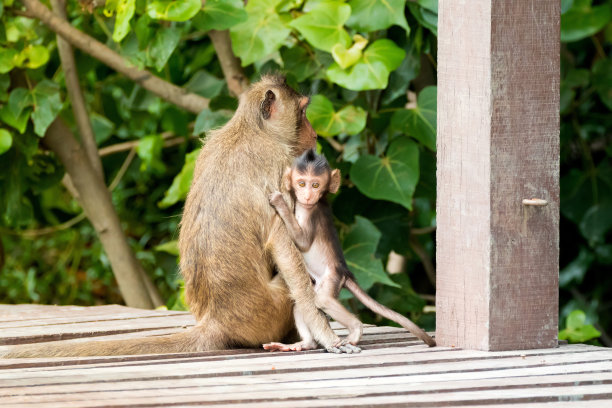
(372, 73)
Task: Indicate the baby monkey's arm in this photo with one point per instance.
(302, 238)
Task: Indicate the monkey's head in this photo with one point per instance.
(280, 111)
(310, 178)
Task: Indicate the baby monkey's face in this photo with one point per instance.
(308, 187)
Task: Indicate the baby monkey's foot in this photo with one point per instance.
(299, 346)
(343, 347)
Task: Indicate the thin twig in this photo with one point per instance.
(422, 231)
(425, 259)
(335, 144)
(75, 94)
(124, 146)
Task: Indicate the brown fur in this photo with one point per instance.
(316, 236)
(231, 240)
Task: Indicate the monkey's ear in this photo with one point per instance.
(334, 181)
(287, 178)
(267, 105)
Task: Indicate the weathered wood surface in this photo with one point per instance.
(498, 144)
(394, 369)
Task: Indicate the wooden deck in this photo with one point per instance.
(394, 369)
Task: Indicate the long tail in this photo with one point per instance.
(384, 311)
(191, 340)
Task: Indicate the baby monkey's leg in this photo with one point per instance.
(326, 293)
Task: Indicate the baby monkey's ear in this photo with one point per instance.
(287, 179)
(334, 181)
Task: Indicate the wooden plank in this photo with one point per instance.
(326, 379)
(307, 389)
(101, 361)
(409, 393)
(383, 336)
(60, 320)
(498, 143)
(26, 311)
(389, 364)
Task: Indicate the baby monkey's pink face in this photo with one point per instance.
(308, 187)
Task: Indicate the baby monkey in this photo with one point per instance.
(312, 229)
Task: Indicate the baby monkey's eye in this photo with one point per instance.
(315, 185)
(301, 183)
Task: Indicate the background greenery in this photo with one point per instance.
(372, 73)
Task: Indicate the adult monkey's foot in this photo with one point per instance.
(299, 346)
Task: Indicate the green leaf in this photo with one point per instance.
(32, 57)
(431, 5)
(566, 5)
(208, 119)
(7, 59)
(602, 80)
(393, 177)
(170, 247)
(597, 222)
(181, 183)
(576, 330)
(576, 78)
(18, 210)
(163, 46)
(47, 104)
(102, 127)
(220, 15)
(323, 27)
(205, 84)
(575, 319)
(261, 34)
(110, 6)
(373, 15)
(299, 62)
(349, 57)
(6, 140)
(399, 80)
(18, 122)
(372, 70)
(327, 122)
(149, 150)
(173, 10)
(352, 118)
(425, 16)
(574, 272)
(321, 113)
(419, 122)
(125, 11)
(359, 247)
(583, 21)
(19, 99)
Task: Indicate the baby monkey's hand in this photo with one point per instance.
(276, 198)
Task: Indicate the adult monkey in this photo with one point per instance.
(231, 240)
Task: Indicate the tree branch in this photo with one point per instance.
(75, 94)
(96, 201)
(172, 93)
(169, 140)
(230, 64)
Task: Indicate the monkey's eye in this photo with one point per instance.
(301, 183)
(315, 185)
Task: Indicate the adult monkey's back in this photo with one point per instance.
(231, 240)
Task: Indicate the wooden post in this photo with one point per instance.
(498, 144)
